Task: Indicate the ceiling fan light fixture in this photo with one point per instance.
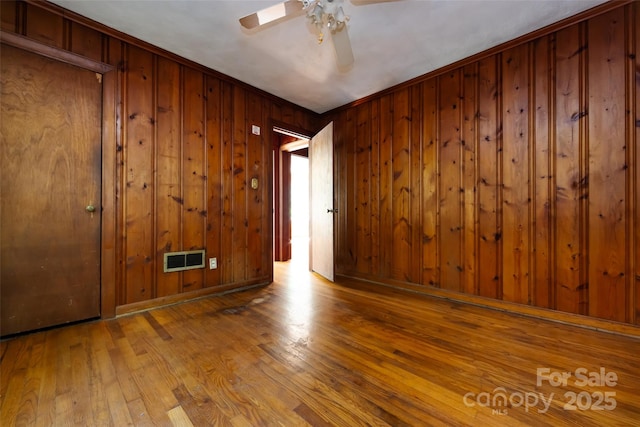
(325, 14)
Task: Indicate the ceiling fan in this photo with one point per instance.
(326, 15)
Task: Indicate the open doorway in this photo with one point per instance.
(318, 199)
(300, 208)
(290, 197)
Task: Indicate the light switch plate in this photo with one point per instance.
(255, 130)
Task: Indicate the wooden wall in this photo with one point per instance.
(514, 177)
(185, 157)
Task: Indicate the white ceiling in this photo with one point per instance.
(393, 41)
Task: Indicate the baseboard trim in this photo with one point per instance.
(136, 307)
(578, 320)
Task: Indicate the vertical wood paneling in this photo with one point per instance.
(528, 183)
(45, 27)
(375, 242)
(469, 146)
(257, 237)
(225, 261)
(607, 167)
(568, 174)
(363, 195)
(386, 185)
(489, 130)
(194, 178)
(430, 205)
(239, 185)
(416, 183)
(287, 114)
(351, 187)
(85, 41)
(515, 187)
(169, 200)
(117, 291)
(541, 268)
(340, 181)
(214, 175)
(450, 188)
(635, 77)
(9, 16)
(266, 191)
(401, 187)
(139, 162)
(568, 203)
(184, 156)
(351, 191)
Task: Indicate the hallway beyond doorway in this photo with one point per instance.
(300, 210)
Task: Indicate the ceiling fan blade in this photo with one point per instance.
(342, 45)
(272, 13)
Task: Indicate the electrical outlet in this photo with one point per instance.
(213, 263)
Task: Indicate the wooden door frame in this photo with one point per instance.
(282, 203)
(282, 134)
(110, 134)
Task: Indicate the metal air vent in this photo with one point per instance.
(186, 260)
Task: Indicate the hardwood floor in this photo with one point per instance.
(303, 351)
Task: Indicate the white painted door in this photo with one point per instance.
(321, 210)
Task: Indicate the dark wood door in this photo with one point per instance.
(50, 169)
(321, 209)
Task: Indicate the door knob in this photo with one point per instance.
(90, 208)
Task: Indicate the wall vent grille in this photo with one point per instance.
(186, 260)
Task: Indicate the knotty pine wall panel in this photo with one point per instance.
(568, 171)
(363, 176)
(374, 187)
(193, 177)
(415, 128)
(384, 187)
(42, 26)
(527, 188)
(83, 41)
(238, 183)
(429, 180)
(401, 240)
(215, 173)
(516, 218)
(450, 186)
(138, 154)
(168, 167)
(634, 156)
(541, 174)
(257, 234)
(345, 167)
(608, 168)
(227, 217)
(468, 144)
(185, 158)
(488, 180)
(9, 16)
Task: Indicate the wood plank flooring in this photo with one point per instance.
(303, 351)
